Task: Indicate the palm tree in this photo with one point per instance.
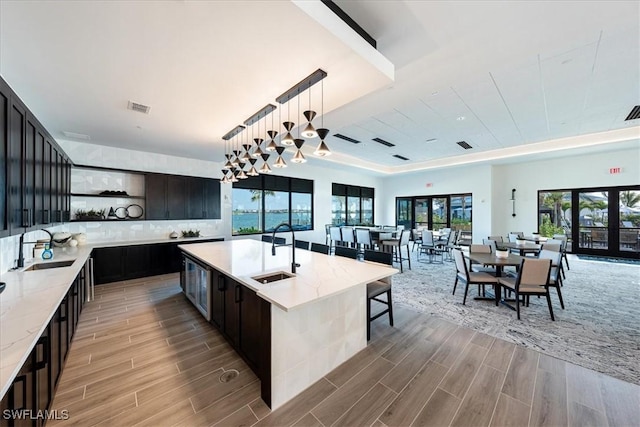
(555, 201)
(629, 198)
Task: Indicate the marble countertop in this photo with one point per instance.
(318, 276)
(31, 298)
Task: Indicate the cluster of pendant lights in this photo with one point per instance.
(240, 154)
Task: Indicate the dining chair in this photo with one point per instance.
(334, 236)
(555, 278)
(347, 236)
(565, 242)
(429, 246)
(266, 238)
(302, 244)
(363, 239)
(496, 238)
(532, 279)
(346, 252)
(377, 288)
(491, 243)
(416, 238)
(396, 245)
(519, 234)
(320, 248)
(513, 237)
(327, 238)
(481, 249)
(471, 277)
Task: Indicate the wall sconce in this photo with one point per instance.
(513, 202)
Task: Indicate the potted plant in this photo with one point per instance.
(90, 215)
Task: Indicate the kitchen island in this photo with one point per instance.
(309, 323)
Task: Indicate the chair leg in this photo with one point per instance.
(368, 319)
(409, 257)
(391, 305)
(566, 260)
(466, 290)
(549, 304)
(518, 305)
(560, 296)
(454, 285)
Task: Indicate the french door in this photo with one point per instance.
(435, 212)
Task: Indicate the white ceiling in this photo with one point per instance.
(519, 73)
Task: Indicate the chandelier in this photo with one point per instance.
(240, 154)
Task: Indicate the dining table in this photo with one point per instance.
(490, 259)
(524, 248)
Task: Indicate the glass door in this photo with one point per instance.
(422, 213)
(202, 290)
(593, 218)
(439, 212)
(190, 279)
(404, 212)
(629, 220)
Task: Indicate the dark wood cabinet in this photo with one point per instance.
(19, 215)
(108, 264)
(136, 261)
(176, 197)
(218, 289)
(5, 109)
(181, 197)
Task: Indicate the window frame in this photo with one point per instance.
(350, 192)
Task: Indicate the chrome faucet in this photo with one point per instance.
(20, 260)
(293, 245)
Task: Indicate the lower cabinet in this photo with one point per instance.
(32, 391)
(245, 321)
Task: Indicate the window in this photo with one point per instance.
(261, 203)
(435, 212)
(351, 205)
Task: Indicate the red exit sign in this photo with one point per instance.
(429, 184)
(614, 171)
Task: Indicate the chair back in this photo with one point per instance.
(461, 265)
(554, 256)
(416, 235)
(346, 252)
(334, 234)
(347, 234)
(280, 240)
(513, 237)
(563, 238)
(453, 239)
(555, 247)
(445, 231)
(302, 244)
(554, 241)
(629, 237)
(404, 238)
(517, 233)
(363, 236)
(427, 238)
(267, 238)
(497, 239)
(320, 248)
(491, 243)
(534, 272)
(389, 227)
(399, 227)
(378, 256)
(480, 249)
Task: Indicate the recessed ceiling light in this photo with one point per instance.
(76, 135)
(461, 118)
(432, 140)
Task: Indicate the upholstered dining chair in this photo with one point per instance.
(348, 236)
(429, 246)
(532, 279)
(346, 252)
(377, 288)
(481, 249)
(471, 277)
(416, 238)
(363, 239)
(302, 244)
(397, 244)
(335, 236)
(565, 242)
(555, 278)
(496, 238)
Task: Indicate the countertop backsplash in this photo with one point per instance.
(108, 231)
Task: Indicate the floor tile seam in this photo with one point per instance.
(504, 380)
(63, 383)
(221, 398)
(362, 397)
(218, 423)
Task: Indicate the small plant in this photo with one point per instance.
(190, 233)
(247, 230)
(90, 214)
(547, 229)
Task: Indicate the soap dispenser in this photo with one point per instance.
(47, 253)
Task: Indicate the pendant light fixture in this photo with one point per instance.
(265, 166)
(309, 131)
(257, 152)
(271, 146)
(299, 157)
(280, 163)
(288, 138)
(253, 171)
(322, 150)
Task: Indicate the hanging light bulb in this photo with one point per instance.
(288, 138)
(280, 163)
(253, 171)
(233, 178)
(299, 157)
(257, 152)
(309, 131)
(265, 167)
(224, 176)
(271, 146)
(246, 156)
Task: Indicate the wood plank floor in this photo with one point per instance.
(143, 355)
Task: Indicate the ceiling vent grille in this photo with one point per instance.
(383, 142)
(140, 108)
(398, 156)
(464, 145)
(75, 135)
(346, 138)
(634, 114)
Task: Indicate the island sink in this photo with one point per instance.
(273, 277)
(48, 265)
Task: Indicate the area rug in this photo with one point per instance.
(599, 329)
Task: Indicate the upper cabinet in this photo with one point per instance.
(34, 170)
(181, 197)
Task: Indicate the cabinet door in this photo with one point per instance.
(108, 265)
(195, 198)
(42, 366)
(60, 187)
(46, 182)
(20, 396)
(54, 341)
(5, 109)
(231, 311)
(218, 288)
(28, 172)
(65, 338)
(251, 326)
(155, 196)
(38, 174)
(136, 261)
(212, 199)
(18, 217)
(55, 209)
(160, 261)
(176, 197)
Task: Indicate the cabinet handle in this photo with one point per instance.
(22, 379)
(238, 294)
(63, 317)
(41, 364)
(221, 283)
(46, 217)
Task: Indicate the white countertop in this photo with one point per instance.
(318, 276)
(31, 298)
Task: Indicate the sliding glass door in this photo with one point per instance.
(435, 212)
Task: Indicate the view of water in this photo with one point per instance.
(252, 219)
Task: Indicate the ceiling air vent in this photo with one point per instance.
(346, 138)
(383, 142)
(464, 145)
(140, 108)
(634, 114)
(398, 156)
(75, 135)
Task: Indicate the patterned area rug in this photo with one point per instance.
(599, 329)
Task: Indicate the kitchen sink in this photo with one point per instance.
(48, 265)
(273, 277)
